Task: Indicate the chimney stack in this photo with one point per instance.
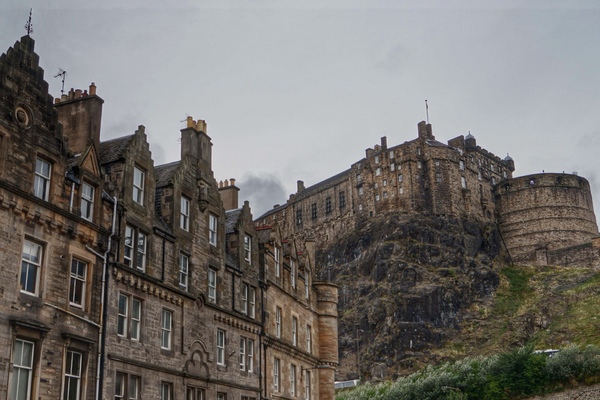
(229, 194)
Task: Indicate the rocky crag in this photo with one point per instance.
(418, 290)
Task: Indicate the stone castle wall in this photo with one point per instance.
(545, 212)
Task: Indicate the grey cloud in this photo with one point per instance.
(263, 191)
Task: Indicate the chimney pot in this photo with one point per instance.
(232, 181)
(190, 122)
(78, 93)
(92, 89)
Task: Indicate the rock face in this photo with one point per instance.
(405, 281)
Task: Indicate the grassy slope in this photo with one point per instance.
(550, 307)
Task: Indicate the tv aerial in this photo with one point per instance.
(63, 73)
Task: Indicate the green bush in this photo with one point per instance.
(511, 375)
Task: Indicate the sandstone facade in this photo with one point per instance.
(122, 279)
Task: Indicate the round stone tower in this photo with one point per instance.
(327, 300)
(544, 212)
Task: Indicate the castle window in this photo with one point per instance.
(41, 184)
(377, 197)
(479, 175)
(313, 211)
(463, 182)
(461, 165)
(299, 216)
(77, 283)
(492, 167)
(183, 271)
(418, 151)
(391, 154)
(385, 195)
(437, 163)
(392, 167)
(138, 185)
(360, 207)
(87, 201)
(438, 177)
(212, 229)
(376, 185)
(361, 190)
(184, 214)
(328, 207)
(419, 164)
(378, 171)
(385, 182)
(376, 159)
(359, 178)
(504, 174)
(135, 254)
(342, 200)
(493, 180)
(400, 178)
(31, 264)
(401, 190)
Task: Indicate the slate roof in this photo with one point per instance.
(163, 174)
(272, 211)
(113, 150)
(323, 184)
(435, 143)
(231, 220)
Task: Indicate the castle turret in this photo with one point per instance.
(470, 142)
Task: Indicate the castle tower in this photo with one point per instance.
(545, 212)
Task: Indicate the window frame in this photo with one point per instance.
(277, 257)
(43, 191)
(24, 281)
(184, 271)
(242, 354)
(213, 229)
(294, 331)
(15, 374)
(127, 384)
(328, 207)
(276, 374)
(278, 320)
(166, 329)
(293, 380)
(248, 248)
(293, 273)
(138, 188)
(86, 207)
(69, 374)
(184, 213)
(129, 323)
(78, 281)
(212, 285)
(309, 339)
(221, 341)
(133, 253)
(166, 391)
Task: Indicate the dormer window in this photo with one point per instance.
(248, 249)
(138, 185)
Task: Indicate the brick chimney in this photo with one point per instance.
(80, 114)
(229, 194)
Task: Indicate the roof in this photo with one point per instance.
(114, 149)
(163, 174)
(323, 184)
(231, 220)
(435, 143)
(272, 211)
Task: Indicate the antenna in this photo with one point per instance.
(29, 25)
(427, 111)
(63, 73)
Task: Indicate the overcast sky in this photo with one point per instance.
(297, 90)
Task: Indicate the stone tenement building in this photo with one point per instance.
(543, 218)
(126, 280)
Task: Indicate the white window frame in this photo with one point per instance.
(250, 355)
(295, 331)
(136, 318)
(309, 339)
(139, 177)
(293, 379)
(184, 271)
(277, 257)
(122, 314)
(166, 329)
(166, 391)
(378, 171)
(293, 273)
(220, 347)
(87, 201)
(248, 249)
(306, 385)
(136, 243)
(78, 283)
(184, 213)
(72, 374)
(129, 317)
(251, 302)
(463, 182)
(276, 374)
(278, 322)
(212, 285)
(212, 229)
(245, 289)
(31, 266)
(242, 354)
(43, 175)
(130, 386)
(21, 367)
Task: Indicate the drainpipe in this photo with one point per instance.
(103, 301)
